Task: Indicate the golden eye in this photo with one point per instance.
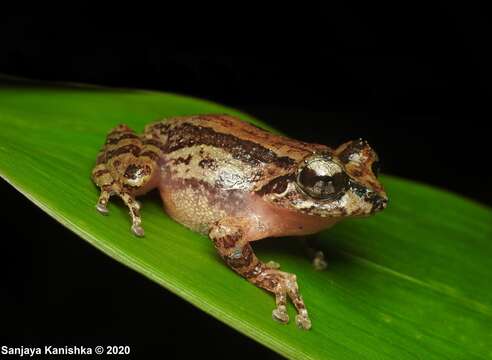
(322, 178)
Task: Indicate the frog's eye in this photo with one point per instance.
(322, 178)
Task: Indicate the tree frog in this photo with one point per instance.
(236, 183)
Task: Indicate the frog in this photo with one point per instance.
(237, 183)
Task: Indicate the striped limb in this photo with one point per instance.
(126, 166)
(233, 246)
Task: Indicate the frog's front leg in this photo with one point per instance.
(231, 241)
(126, 166)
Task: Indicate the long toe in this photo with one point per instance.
(102, 209)
(138, 230)
(280, 314)
(303, 321)
(319, 261)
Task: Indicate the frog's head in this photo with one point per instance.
(335, 184)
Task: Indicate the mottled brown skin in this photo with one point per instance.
(237, 183)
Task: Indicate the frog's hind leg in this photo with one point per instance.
(230, 240)
(126, 166)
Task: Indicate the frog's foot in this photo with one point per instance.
(319, 261)
(134, 208)
(102, 203)
(130, 202)
(317, 256)
(283, 284)
(280, 313)
(229, 239)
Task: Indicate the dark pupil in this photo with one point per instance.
(322, 186)
(376, 168)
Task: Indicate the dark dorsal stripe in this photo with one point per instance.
(187, 135)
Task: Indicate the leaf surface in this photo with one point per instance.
(411, 282)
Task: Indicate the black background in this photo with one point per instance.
(414, 81)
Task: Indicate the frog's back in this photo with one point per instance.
(229, 133)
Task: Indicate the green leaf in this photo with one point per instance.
(411, 282)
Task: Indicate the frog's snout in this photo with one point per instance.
(379, 202)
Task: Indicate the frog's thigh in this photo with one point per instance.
(231, 241)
